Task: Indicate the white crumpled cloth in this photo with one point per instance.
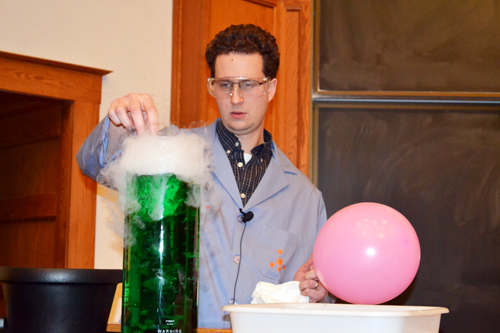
(287, 292)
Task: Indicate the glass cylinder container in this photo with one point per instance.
(160, 257)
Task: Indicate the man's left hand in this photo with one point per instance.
(309, 283)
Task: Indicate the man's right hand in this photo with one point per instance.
(135, 112)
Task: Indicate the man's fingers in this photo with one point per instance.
(309, 261)
(307, 266)
(309, 284)
(112, 113)
(301, 272)
(143, 112)
(310, 275)
(316, 295)
(118, 113)
(151, 114)
(314, 289)
(136, 112)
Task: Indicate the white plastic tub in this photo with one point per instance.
(339, 318)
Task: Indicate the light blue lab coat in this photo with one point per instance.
(288, 213)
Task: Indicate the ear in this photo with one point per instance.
(271, 89)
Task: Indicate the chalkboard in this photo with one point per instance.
(407, 45)
(441, 169)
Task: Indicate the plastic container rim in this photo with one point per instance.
(346, 310)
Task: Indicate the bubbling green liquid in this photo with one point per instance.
(160, 263)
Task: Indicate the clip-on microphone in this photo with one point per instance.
(245, 217)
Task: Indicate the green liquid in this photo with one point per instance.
(160, 264)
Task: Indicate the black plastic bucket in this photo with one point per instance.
(43, 300)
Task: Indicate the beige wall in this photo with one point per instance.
(132, 38)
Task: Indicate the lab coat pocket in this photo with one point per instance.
(276, 248)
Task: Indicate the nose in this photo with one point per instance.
(235, 95)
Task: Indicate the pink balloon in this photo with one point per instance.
(366, 253)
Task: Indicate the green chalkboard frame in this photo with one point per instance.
(436, 50)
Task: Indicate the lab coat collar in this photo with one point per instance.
(274, 180)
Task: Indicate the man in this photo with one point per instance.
(250, 174)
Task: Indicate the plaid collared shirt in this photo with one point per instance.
(247, 175)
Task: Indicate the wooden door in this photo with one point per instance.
(197, 22)
(29, 169)
(47, 206)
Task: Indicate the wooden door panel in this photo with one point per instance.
(226, 12)
(29, 170)
(289, 21)
(28, 243)
(291, 121)
(47, 208)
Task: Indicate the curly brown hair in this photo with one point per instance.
(245, 39)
